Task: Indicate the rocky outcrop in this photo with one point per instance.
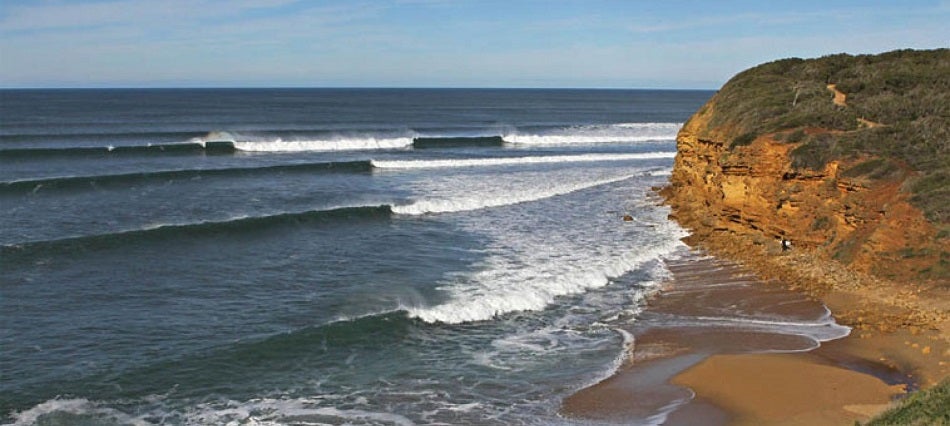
(753, 190)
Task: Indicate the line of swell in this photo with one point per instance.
(240, 224)
(189, 148)
(227, 142)
(77, 182)
(457, 142)
(547, 159)
(168, 136)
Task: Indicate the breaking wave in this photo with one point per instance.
(481, 162)
(612, 133)
(427, 205)
(223, 142)
(356, 144)
(497, 291)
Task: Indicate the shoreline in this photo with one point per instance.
(897, 344)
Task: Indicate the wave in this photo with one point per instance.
(476, 202)
(74, 182)
(492, 292)
(223, 142)
(78, 410)
(588, 134)
(154, 379)
(79, 135)
(414, 208)
(355, 144)
(417, 207)
(481, 162)
(159, 232)
(85, 151)
(457, 142)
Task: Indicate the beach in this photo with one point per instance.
(727, 375)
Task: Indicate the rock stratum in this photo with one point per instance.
(846, 156)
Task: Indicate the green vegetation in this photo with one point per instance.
(877, 168)
(744, 139)
(822, 222)
(927, 407)
(907, 92)
(795, 136)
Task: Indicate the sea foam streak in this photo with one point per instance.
(477, 202)
(481, 162)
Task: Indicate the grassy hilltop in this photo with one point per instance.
(895, 117)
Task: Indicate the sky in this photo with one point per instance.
(440, 43)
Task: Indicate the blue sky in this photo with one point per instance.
(439, 43)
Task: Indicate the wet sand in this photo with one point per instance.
(787, 389)
(707, 352)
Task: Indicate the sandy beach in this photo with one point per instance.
(719, 370)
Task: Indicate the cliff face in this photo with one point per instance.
(854, 208)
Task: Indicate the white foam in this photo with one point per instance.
(820, 330)
(586, 139)
(269, 411)
(482, 162)
(608, 133)
(500, 290)
(78, 406)
(481, 201)
(343, 144)
(626, 349)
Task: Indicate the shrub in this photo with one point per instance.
(816, 152)
(795, 136)
(743, 139)
(926, 407)
(877, 168)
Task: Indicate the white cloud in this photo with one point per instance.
(46, 16)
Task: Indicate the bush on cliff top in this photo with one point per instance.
(906, 91)
(927, 407)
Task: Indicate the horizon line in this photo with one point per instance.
(344, 88)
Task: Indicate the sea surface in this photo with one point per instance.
(325, 256)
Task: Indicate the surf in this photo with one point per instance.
(477, 202)
(504, 161)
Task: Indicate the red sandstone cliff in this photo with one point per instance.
(752, 189)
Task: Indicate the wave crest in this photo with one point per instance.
(497, 291)
(611, 133)
(355, 144)
(425, 206)
(481, 162)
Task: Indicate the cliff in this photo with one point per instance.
(846, 156)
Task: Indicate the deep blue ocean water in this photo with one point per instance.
(324, 256)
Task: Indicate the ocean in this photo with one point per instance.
(325, 256)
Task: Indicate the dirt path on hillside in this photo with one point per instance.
(840, 97)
